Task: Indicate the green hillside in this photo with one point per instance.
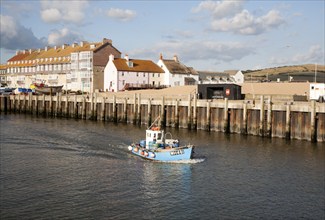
(299, 73)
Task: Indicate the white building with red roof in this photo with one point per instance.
(123, 74)
(176, 73)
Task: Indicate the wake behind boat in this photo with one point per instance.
(160, 146)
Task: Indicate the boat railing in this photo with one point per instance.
(168, 134)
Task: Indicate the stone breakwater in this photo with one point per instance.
(262, 117)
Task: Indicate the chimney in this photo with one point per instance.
(160, 56)
(17, 52)
(74, 45)
(46, 48)
(176, 59)
(83, 43)
(55, 47)
(30, 51)
(126, 57)
(105, 40)
(111, 57)
(39, 50)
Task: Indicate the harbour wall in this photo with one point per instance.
(262, 117)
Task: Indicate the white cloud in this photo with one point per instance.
(197, 51)
(15, 36)
(8, 26)
(246, 24)
(229, 16)
(51, 15)
(65, 11)
(121, 14)
(314, 54)
(63, 36)
(220, 9)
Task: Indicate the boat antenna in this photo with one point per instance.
(154, 122)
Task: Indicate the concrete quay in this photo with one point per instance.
(261, 117)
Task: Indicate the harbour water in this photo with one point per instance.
(80, 169)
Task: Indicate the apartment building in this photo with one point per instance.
(3, 71)
(78, 67)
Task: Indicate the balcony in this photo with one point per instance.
(85, 75)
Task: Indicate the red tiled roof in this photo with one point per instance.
(138, 66)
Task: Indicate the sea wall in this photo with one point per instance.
(262, 117)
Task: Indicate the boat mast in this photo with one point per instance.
(154, 122)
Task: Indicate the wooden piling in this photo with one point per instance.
(103, 105)
(149, 119)
(208, 119)
(288, 124)
(139, 110)
(134, 109)
(194, 125)
(176, 119)
(313, 133)
(162, 112)
(125, 110)
(67, 105)
(83, 110)
(189, 112)
(92, 113)
(226, 127)
(75, 107)
(114, 109)
(36, 105)
(269, 119)
(261, 124)
(244, 128)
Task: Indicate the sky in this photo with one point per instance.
(205, 35)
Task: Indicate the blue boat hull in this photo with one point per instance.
(172, 154)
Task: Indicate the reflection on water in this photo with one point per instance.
(57, 168)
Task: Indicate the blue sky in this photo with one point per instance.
(207, 35)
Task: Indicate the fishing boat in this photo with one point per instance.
(42, 88)
(160, 146)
